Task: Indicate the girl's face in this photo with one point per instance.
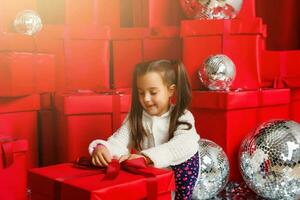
(154, 95)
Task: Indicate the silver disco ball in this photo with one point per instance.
(213, 170)
(270, 160)
(217, 72)
(28, 22)
(211, 9)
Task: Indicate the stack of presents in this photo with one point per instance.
(70, 84)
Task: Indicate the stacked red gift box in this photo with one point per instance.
(69, 84)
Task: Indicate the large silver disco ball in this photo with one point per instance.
(217, 72)
(213, 170)
(211, 9)
(270, 160)
(28, 22)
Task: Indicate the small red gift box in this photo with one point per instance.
(227, 117)
(13, 168)
(64, 181)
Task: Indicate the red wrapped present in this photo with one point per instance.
(144, 44)
(16, 74)
(18, 119)
(13, 168)
(83, 117)
(130, 180)
(227, 117)
(280, 66)
(239, 39)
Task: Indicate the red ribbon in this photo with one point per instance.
(135, 166)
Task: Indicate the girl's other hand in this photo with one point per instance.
(101, 156)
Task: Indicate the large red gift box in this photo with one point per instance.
(18, 119)
(64, 181)
(82, 55)
(227, 117)
(13, 169)
(83, 117)
(239, 39)
(144, 44)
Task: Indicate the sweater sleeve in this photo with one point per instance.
(180, 148)
(118, 144)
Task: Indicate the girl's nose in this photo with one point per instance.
(147, 97)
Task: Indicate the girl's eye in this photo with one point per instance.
(153, 93)
(141, 93)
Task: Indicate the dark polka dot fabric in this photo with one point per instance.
(185, 177)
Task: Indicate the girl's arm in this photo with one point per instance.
(118, 144)
(180, 148)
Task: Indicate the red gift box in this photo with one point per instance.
(227, 117)
(66, 182)
(82, 55)
(26, 73)
(282, 66)
(163, 13)
(83, 117)
(97, 12)
(16, 74)
(144, 44)
(18, 119)
(239, 39)
(295, 105)
(13, 169)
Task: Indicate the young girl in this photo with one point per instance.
(162, 133)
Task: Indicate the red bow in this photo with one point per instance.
(134, 166)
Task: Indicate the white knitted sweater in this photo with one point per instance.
(156, 146)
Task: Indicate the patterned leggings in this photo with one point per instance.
(185, 177)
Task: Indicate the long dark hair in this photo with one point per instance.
(172, 72)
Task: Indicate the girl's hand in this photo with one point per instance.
(134, 156)
(101, 156)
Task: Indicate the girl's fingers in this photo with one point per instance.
(102, 161)
(106, 157)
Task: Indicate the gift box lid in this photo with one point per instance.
(20, 104)
(90, 102)
(238, 100)
(191, 28)
(86, 183)
(143, 33)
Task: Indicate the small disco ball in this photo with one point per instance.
(28, 22)
(270, 160)
(213, 170)
(217, 72)
(211, 9)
